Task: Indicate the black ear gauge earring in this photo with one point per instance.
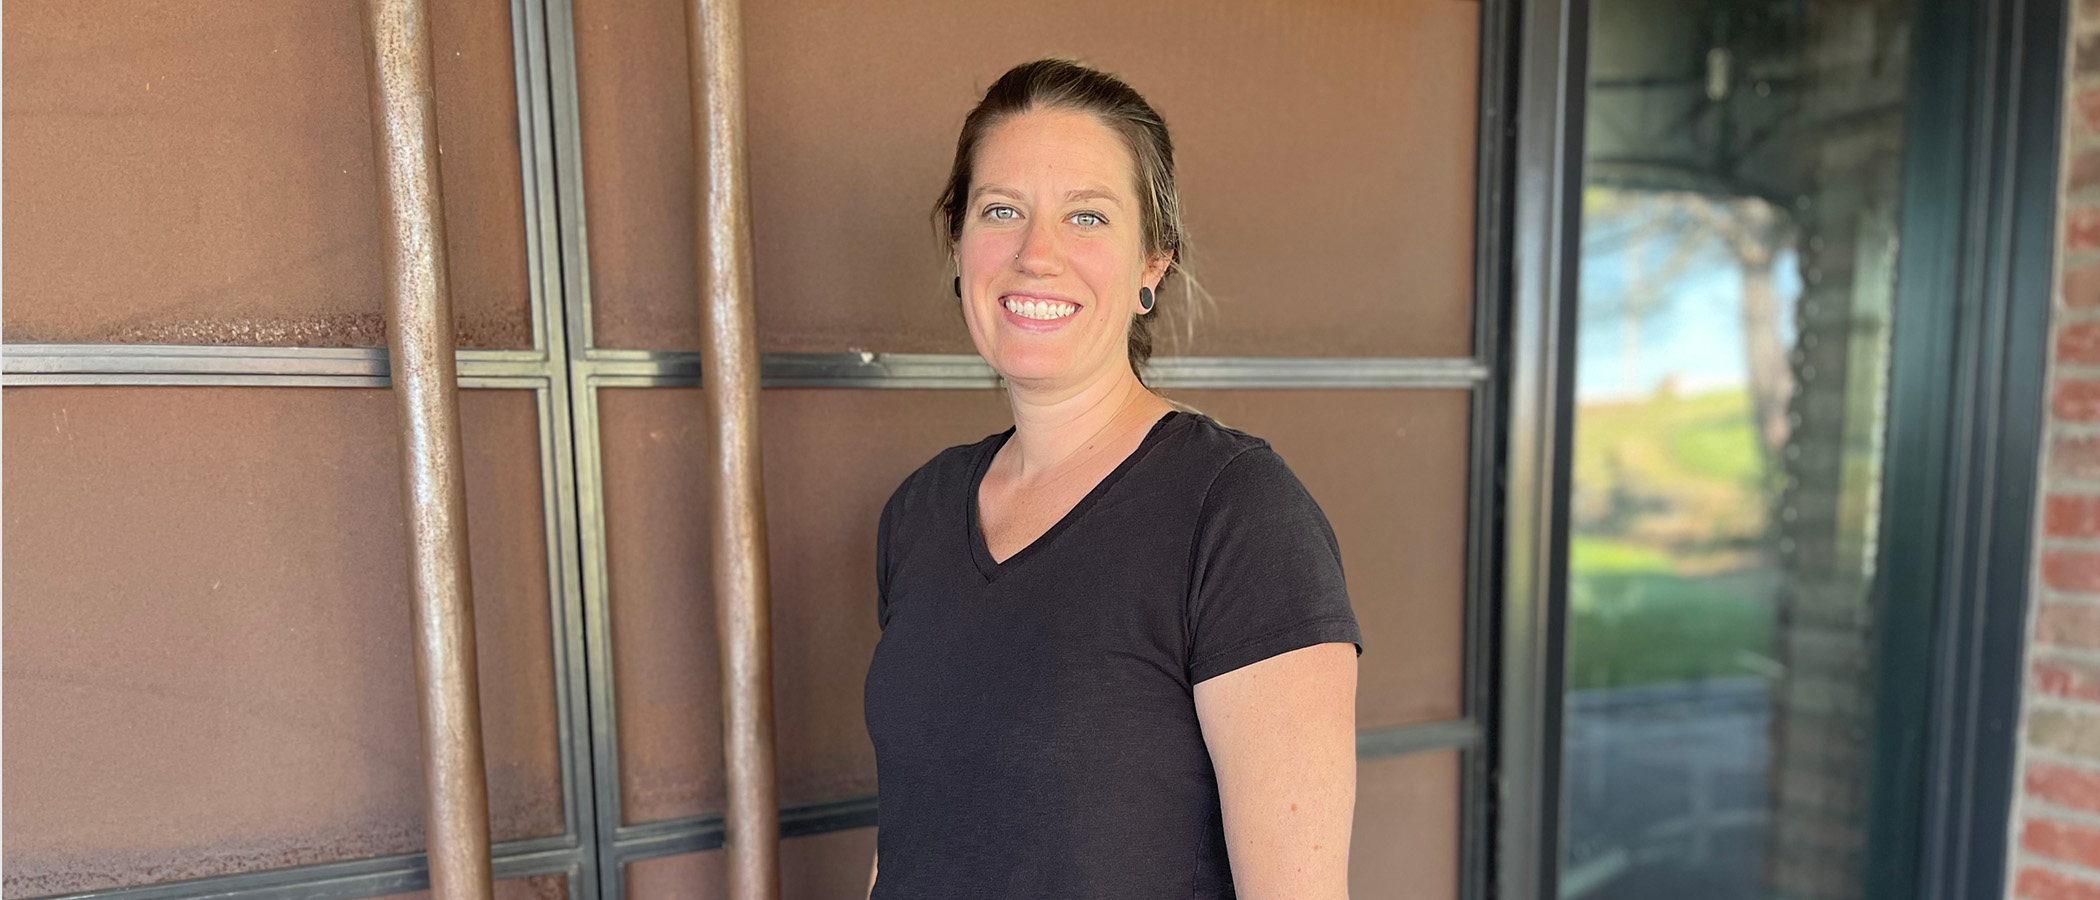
(1145, 299)
(958, 285)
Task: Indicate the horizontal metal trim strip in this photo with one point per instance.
(221, 380)
(968, 371)
(1457, 734)
(166, 364)
(112, 363)
(349, 879)
(692, 835)
(186, 379)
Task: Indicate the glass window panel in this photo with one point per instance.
(853, 116)
(1739, 240)
(208, 657)
(1389, 469)
(1404, 843)
(203, 174)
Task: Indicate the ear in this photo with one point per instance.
(1156, 270)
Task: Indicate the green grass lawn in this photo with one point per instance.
(1633, 621)
(1667, 577)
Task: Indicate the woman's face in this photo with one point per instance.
(1051, 253)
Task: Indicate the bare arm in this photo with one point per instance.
(1282, 737)
(874, 866)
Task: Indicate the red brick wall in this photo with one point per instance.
(2056, 816)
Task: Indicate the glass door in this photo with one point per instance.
(1743, 164)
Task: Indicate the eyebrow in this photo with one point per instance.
(1072, 196)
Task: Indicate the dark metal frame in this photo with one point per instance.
(1549, 39)
(1966, 411)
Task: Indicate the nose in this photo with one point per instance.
(1041, 251)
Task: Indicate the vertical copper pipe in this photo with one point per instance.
(419, 341)
(729, 376)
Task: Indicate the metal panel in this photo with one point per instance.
(1364, 249)
(201, 172)
(1390, 470)
(823, 513)
(542, 871)
(1404, 843)
(822, 520)
(821, 867)
(538, 887)
(664, 681)
(210, 699)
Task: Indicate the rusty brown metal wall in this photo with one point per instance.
(208, 654)
(538, 887)
(1403, 844)
(238, 179)
(425, 374)
(1389, 469)
(820, 867)
(820, 522)
(1326, 153)
(201, 172)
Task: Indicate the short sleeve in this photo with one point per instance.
(1266, 571)
(882, 563)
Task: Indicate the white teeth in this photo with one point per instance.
(1040, 309)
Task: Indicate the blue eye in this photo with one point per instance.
(1096, 217)
(994, 212)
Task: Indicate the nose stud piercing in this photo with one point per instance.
(1145, 299)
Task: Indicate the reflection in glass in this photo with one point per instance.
(1743, 163)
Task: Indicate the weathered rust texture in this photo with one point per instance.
(818, 867)
(1390, 469)
(209, 666)
(729, 377)
(420, 344)
(1406, 829)
(201, 172)
(1343, 133)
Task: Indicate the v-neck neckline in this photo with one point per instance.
(981, 551)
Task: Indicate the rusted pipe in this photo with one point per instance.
(426, 385)
(729, 377)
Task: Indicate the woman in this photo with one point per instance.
(1118, 659)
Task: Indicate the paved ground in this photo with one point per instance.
(1667, 793)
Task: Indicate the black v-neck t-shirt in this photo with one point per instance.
(1034, 720)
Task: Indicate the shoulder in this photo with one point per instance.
(947, 470)
(1241, 467)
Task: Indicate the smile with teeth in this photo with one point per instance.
(1029, 308)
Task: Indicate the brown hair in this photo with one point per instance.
(1059, 83)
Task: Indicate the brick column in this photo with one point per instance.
(2055, 853)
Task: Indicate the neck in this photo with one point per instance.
(1050, 428)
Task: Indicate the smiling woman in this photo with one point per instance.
(1118, 656)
